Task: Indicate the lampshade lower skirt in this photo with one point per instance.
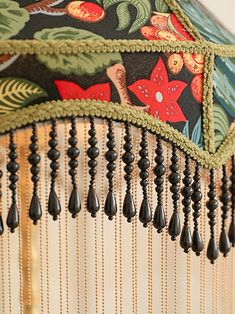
(97, 265)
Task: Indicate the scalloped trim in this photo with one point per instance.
(84, 108)
(111, 45)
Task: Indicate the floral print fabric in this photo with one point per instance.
(160, 95)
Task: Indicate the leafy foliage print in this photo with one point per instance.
(12, 18)
(221, 124)
(161, 6)
(208, 27)
(80, 63)
(196, 133)
(224, 84)
(124, 16)
(17, 92)
(143, 12)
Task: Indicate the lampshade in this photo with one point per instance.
(117, 167)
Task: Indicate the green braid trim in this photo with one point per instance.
(111, 45)
(207, 104)
(84, 108)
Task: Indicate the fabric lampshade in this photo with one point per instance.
(117, 167)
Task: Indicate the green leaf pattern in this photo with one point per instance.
(143, 12)
(196, 133)
(205, 23)
(124, 16)
(224, 84)
(17, 92)
(221, 124)
(80, 63)
(161, 6)
(12, 18)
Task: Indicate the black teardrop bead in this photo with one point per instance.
(74, 203)
(174, 178)
(145, 214)
(231, 232)
(197, 242)
(186, 237)
(13, 217)
(73, 152)
(1, 226)
(224, 244)
(35, 210)
(93, 204)
(13, 167)
(159, 219)
(54, 207)
(212, 252)
(174, 227)
(129, 209)
(212, 204)
(110, 207)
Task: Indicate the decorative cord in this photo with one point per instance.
(1, 222)
(85, 249)
(224, 244)
(35, 210)
(159, 219)
(145, 214)
(93, 204)
(203, 254)
(174, 178)
(197, 243)
(186, 238)
(73, 153)
(2, 246)
(212, 204)
(232, 191)
(129, 210)
(102, 224)
(67, 268)
(13, 167)
(47, 262)
(110, 207)
(54, 207)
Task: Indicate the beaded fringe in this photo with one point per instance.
(189, 191)
(166, 192)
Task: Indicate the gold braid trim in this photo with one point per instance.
(111, 45)
(84, 108)
(207, 104)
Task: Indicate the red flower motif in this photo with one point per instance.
(160, 95)
(70, 90)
